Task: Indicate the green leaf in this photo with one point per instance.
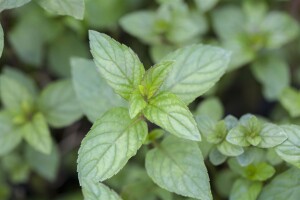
(93, 93)
(59, 105)
(136, 103)
(289, 150)
(141, 25)
(247, 157)
(259, 172)
(234, 18)
(245, 190)
(9, 4)
(216, 158)
(62, 50)
(281, 29)
(271, 136)
(246, 133)
(22, 78)
(112, 141)
(154, 77)
(1, 40)
(9, 137)
(283, 186)
(37, 134)
(290, 100)
(204, 5)
(39, 30)
(229, 149)
(44, 165)
(74, 8)
(268, 72)
(118, 64)
(218, 134)
(14, 94)
(211, 107)
(95, 191)
(177, 165)
(196, 69)
(169, 112)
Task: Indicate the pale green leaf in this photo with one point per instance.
(170, 113)
(216, 158)
(245, 190)
(238, 136)
(283, 186)
(289, 150)
(247, 157)
(62, 50)
(22, 78)
(229, 149)
(155, 77)
(271, 136)
(44, 165)
(136, 103)
(141, 25)
(74, 8)
(177, 165)
(259, 172)
(205, 5)
(112, 141)
(205, 124)
(9, 4)
(96, 191)
(118, 64)
(290, 100)
(9, 137)
(196, 69)
(211, 107)
(13, 93)
(235, 21)
(268, 72)
(93, 93)
(281, 29)
(37, 134)
(59, 105)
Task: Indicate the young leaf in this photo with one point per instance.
(74, 8)
(170, 113)
(93, 93)
(177, 165)
(245, 190)
(229, 149)
(136, 103)
(196, 69)
(59, 105)
(13, 94)
(204, 5)
(271, 136)
(283, 186)
(118, 64)
(45, 165)
(9, 137)
(95, 191)
(9, 4)
(112, 141)
(289, 150)
(155, 77)
(37, 134)
(290, 100)
(259, 172)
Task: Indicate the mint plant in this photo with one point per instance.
(161, 95)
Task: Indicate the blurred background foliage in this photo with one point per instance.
(40, 45)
